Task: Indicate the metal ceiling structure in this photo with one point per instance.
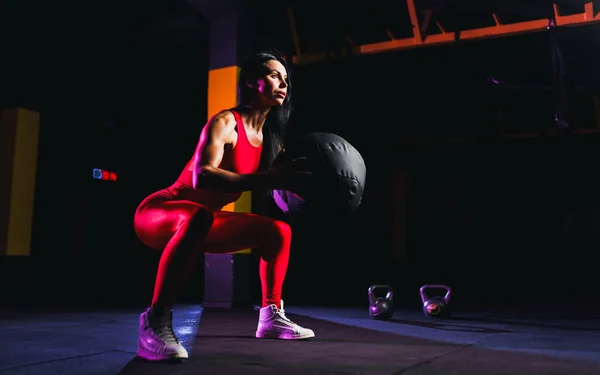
(326, 29)
(333, 30)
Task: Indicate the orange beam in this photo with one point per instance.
(499, 29)
(414, 20)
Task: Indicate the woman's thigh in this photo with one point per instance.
(156, 222)
(234, 231)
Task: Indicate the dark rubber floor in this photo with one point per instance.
(104, 342)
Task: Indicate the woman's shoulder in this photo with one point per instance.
(224, 117)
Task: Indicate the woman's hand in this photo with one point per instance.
(291, 175)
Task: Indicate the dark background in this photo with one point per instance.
(503, 220)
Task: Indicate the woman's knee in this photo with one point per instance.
(281, 232)
(277, 238)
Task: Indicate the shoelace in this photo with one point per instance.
(281, 313)
(163, 327)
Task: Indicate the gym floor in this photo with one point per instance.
(348, 341)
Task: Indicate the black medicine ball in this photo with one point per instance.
(339, 174)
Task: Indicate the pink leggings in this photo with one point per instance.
(182, 228)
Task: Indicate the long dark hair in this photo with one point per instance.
(278, 117)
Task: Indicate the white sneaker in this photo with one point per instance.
(157, 341)
(273, 324)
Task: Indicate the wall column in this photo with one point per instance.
(227, 277)
(19, 132)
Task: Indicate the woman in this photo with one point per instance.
(235, 153)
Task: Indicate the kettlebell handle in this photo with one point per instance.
(435, 286)
(389, 295)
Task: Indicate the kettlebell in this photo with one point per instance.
(381, 308)
(436, 307)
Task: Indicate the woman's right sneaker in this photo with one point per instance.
(157, 341)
